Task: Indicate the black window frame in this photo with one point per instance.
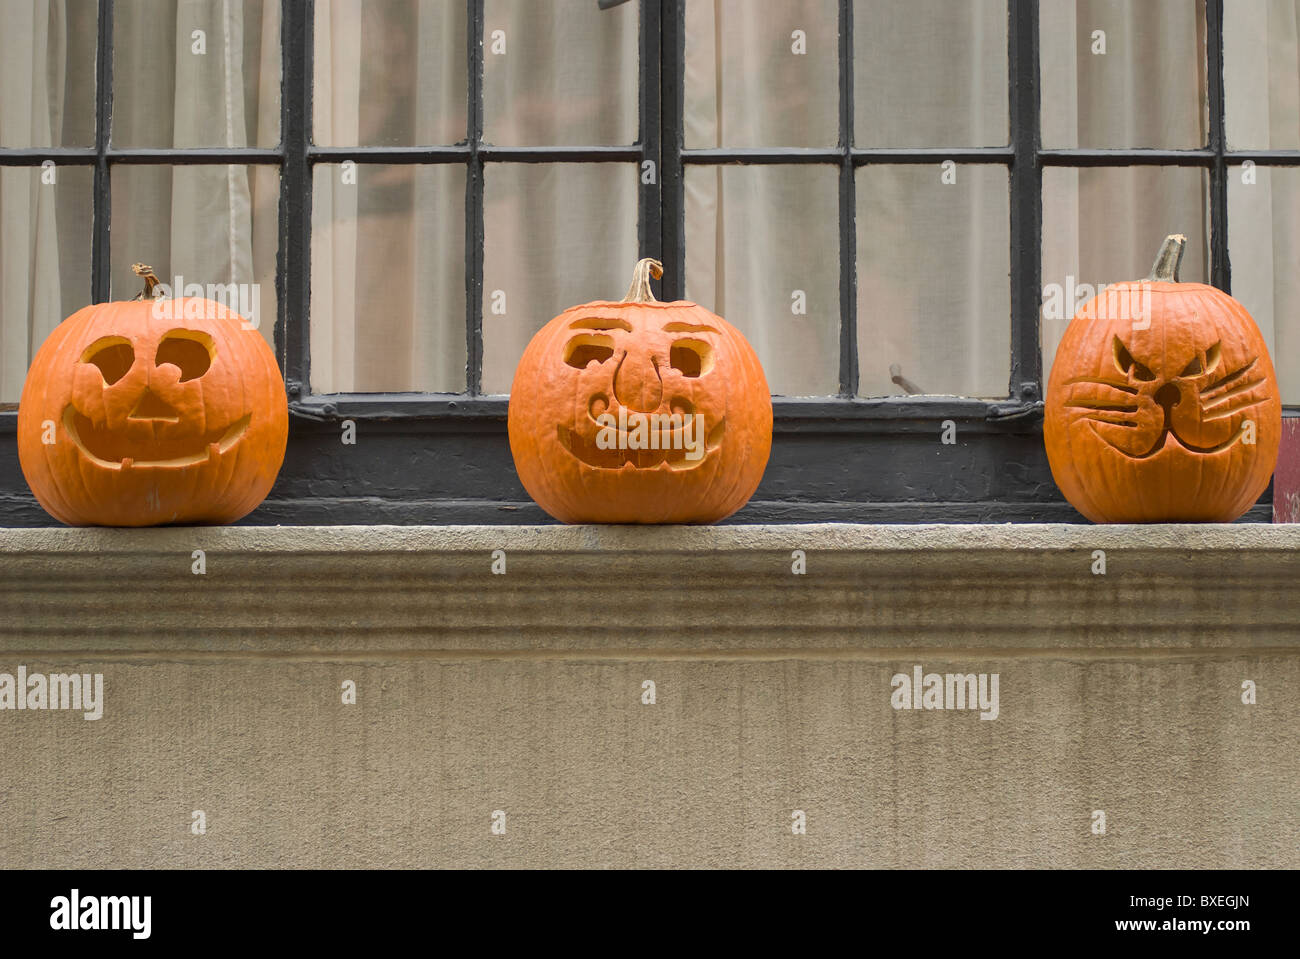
(834, 425)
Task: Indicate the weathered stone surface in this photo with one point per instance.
(522, 692)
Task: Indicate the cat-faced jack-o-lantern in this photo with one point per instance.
(1162, 405)
(640, 411)
(150, 411)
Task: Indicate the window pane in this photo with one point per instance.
(1123, 74)
(205, 73)
(205, 225)
(1264, 245)
(47, 75)
(555, 235)
(762, 251)
(389, 72)
(1104, 225)
(930, 73)
(1261, 74)
(559, 73)
(934, 296)
(44, 261)
(388, 278)
(762, 73)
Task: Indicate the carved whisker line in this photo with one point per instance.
(1124, 387)
(1236, 409)
(1104, 407)
(1234, 375)
(1225, 397)
(1102, 419)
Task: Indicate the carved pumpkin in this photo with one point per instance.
(640, 412)
(1162, 404)
(152, 411)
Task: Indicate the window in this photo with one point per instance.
(900, 202)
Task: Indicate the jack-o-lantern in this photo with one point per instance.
(640, 412)
(1162, 404)
(152, 411)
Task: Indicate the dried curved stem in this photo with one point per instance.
(639, 291)
(1169, 259)
(146, 273)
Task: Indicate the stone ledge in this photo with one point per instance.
(524, 692)
(604, 592)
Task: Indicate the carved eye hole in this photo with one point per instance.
(113, 355)
(1125, 363)
(188, 350)
(1197, 366)
(583, 349)
(691, 357)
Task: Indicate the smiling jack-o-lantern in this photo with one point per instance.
(640, 412)
(1162, 404)
(150, 411)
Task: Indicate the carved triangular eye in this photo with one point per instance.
(1125, 363)
(1194, 368)
(1212, 357)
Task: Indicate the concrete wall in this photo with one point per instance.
(1120, 692)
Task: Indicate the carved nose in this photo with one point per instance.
(154, 407)
(1168, 396)
(636, 382)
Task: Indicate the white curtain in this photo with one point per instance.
(388, 255)
(205, 224)
(1119, 74)
(46, 100)
(1262, 86)
(762, 241)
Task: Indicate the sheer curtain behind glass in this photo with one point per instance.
(762, 242)
(203, 73)
(47, 70)
(1119, 74)
(388, 247)
(1262, 86)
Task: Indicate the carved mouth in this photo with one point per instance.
(586, 451)
(1168, 434)
(87, 438)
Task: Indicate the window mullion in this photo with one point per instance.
(1026, 202)
(100, 269)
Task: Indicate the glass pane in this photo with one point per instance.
(208, 227)
(930, 73)
(44, 260)
(762, 251)
(1123, 74)
(389, 73)
(934, 296)
(47, 75)
(388, 278)
(1104, 225)
(1264, 246)
(562, 73)
(762, 73)
(1261, 74)
(205, 73)
(555, 235)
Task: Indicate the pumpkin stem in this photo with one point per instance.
(639, 291)
(1168, 260)
(146, 273)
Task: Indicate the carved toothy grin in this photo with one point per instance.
(86, 438)
(621, 457)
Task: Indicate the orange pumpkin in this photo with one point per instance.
(1162, 404)
(152, 411)
(640, 412)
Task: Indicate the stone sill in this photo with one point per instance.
(593, 593)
